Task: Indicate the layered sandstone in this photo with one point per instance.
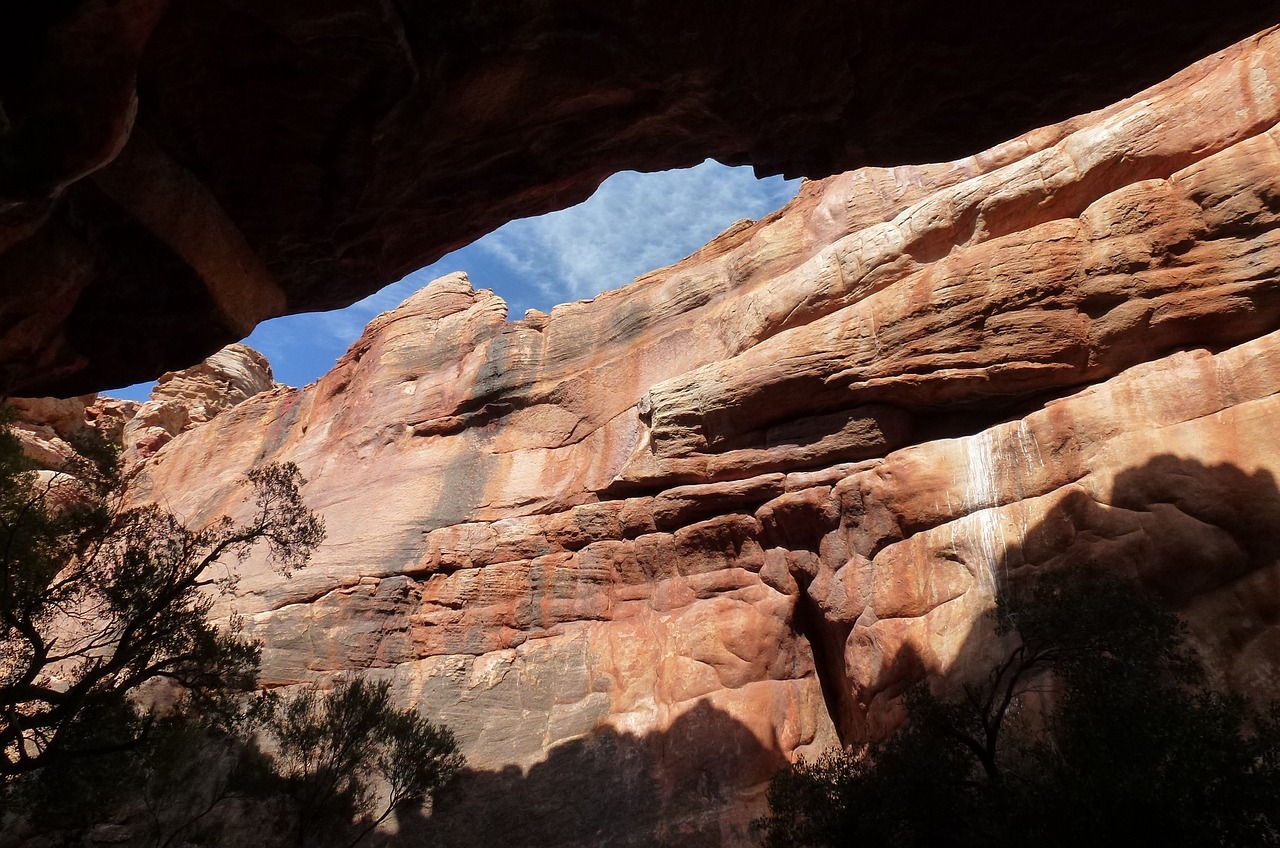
(641, 551)
(49, 428)
(185, 399)
(245, 160)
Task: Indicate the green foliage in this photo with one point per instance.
(101, 602)
(98, 599)
(1129, 747)
(70, 793)
(179, 771)
(350, 756)
(188, 767)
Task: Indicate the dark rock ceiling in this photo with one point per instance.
(173, 171)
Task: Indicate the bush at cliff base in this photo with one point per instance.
(1128, 745)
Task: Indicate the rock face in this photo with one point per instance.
(249, 159)
(49, 427)
(640, 552)
(185, 399)
(181, 400)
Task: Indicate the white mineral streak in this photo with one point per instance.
(998, 464)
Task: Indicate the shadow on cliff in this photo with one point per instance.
(1181, 528)
(1203, 538)
(693, 784)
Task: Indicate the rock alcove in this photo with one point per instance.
(173, 173)
(643, 551)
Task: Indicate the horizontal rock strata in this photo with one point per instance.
(640, 552)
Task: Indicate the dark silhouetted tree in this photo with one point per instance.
(1096, 728)
(349, 759)
(99, 599)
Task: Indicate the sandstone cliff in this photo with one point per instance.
(49, 427)
(185, 399)
(641, 551)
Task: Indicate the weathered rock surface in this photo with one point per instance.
(185, 399)
(641, 551)
(49, 427)
(251, 159)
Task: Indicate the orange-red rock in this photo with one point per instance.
(643, 550)
(48, 427)
(185, 399)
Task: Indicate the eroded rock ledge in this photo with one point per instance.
(640, 552)
(48, 428)
(172, 173)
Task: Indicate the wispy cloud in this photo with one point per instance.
(633, 224)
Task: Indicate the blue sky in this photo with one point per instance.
(633, 224)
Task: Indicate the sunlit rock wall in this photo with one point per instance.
(641, 552)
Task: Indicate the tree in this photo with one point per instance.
(335, 751)
(101, 601)
(323, 768)
(98, 599)
(189, 768)
(1128, 743)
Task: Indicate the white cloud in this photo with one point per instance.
(633, 224)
